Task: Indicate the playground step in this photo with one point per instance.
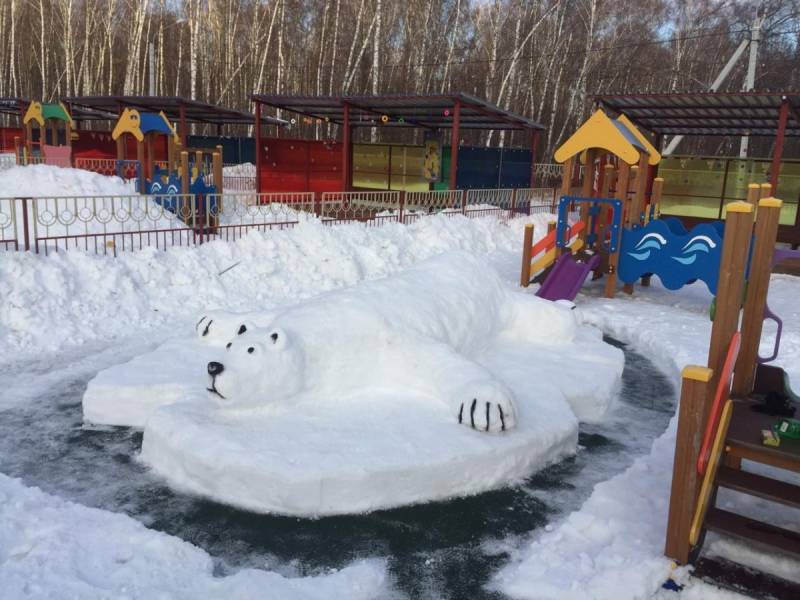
(744, 528)
(760, 486)
(743, 580)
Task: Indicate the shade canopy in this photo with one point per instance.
(193, 111)
(428, 111)
(707, 113)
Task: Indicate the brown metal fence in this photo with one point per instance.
(116, 224)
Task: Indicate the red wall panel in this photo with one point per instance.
(300, 166)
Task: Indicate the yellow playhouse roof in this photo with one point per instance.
(40, 112)
(621, 138)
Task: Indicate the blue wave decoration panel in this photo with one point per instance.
(676, 257)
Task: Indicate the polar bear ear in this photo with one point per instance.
(277, 337)
(200, 324)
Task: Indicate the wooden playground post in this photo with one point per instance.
(695, 391)
(151, 155)
(753, 193)
(184, 172)
(170, 154)
(633, 204)
(527, 243)
(766, 233)
(216, 159)
(198, 163)
(623, 178)
(566, 186)
(655, 199)
(735, 248)
(627, 201)
(637, 206)
(68, 140)
(142, 165)
(29, 138)
(766, 190)
(606, 180)
(587, 190)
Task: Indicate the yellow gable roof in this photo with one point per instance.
(598, 131)
(653, 155)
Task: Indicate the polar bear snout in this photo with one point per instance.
(215, 368)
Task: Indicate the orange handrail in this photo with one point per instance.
(720, 397)
(549, 240)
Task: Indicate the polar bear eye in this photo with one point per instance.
(227, 347)
(242, 329)
(274, 337)
(250, 350)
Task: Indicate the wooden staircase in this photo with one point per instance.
(743, 441)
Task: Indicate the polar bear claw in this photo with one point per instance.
(491, 410)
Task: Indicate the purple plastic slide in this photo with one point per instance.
(566, 278)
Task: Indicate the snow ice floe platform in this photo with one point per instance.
(378, 447)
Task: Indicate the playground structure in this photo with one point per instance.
(722, 416)
(52, 126)
(623, 238)
(696, 189)
(617, 159)
(175, 176)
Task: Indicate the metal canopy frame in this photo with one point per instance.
(16, 107)
(177, 109)
(427, 111)
(765, 114)
(708, 113)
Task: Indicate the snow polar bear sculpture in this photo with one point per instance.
(350, 341)
(216, 328)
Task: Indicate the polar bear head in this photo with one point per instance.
(258, 368)
(217, 329)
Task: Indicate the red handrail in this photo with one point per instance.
(720, 397)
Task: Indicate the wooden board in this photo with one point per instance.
(744, 438)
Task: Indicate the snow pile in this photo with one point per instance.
(53, 548)
(70, 298)
(240, 170)
(44, 181)
(618, 535)
(394, 364)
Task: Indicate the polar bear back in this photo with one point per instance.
(455, 298)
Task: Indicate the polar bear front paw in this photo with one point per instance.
(489, 409)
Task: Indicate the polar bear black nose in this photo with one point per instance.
(215, 368)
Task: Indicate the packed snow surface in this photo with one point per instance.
(50, 548)
(71, 298)
(385, 371)
(240, 170)
(610, 548)
(44, 181)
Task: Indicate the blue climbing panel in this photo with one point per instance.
(676, 256)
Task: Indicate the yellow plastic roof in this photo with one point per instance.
(598, 131)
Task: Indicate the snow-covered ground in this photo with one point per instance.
(72, 298)
(50, 548)
(65, 317)
(618, 535)
(43, 181)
